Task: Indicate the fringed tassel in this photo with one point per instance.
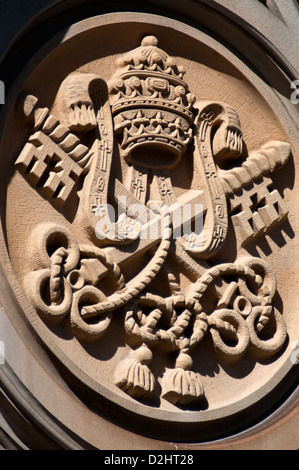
(133, 376)
(181, 386)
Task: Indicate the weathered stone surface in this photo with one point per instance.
(149, 235)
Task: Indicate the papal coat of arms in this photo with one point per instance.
(149, 183)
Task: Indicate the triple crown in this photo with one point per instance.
(151, 106)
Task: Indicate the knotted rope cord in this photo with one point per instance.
(201, 285)
(61, 253)
(93, 251)
(55, 272)
(136, 286)
(191, 304)
(173, 334)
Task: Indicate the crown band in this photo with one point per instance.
(151, 106)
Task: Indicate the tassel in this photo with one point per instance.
(181, 386)
(133, 376)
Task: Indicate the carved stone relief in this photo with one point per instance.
(150, 182)
(273, 7)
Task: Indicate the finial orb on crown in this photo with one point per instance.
(152, 107)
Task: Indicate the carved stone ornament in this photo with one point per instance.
(150, 220)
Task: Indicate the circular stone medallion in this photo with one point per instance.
(149, 224)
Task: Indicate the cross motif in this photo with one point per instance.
(207, 120)
(104, 152)
(137, 185)
(211, 173)
(165, 191)
(48, 167)
(256, 210)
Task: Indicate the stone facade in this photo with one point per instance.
(149, 228)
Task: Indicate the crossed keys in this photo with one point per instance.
(270, 213)
(253, 205)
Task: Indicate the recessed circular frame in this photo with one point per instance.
(168, 330)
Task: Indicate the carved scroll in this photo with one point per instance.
(227, 143)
